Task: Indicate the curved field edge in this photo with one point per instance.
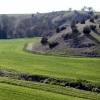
(26, 49)
(79, 94)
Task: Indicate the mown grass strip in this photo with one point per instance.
(52, 88)
(13, 92)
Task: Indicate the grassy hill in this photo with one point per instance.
(13, 57)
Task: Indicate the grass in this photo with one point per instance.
(75, 94)
(10, 92)
(13, 57)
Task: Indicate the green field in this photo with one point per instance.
(10, 92)
(12, 56)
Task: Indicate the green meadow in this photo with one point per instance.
(12, 56)
(10, 92)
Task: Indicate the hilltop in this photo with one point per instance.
(39, 24)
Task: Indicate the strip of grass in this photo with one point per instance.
(52, 88)
(12, 92)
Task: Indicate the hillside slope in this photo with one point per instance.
(81, 39)
(39, 24)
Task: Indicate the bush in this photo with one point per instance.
(60, 29)
(86, 45)
(77, 22)
(91, 54)
(73, 24)
(63, 28)
(96, 90)
(74, 84)
(93, 27)
(50, 81)
(83, 22)
(86, 30)
(75, 30)
(44, 40)
(57, 30)
(76, 42)
(53, 44)
(74, 27)
(92, 20)
(67, 36)
(96, 16)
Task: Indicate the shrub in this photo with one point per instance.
(74, 84)
(96, 90)
(50, 81)
(77, 22)
(92, 20)
(44, 40)
(83, 22)
(74, 27)
(67, 36)
(53, 44)
(75, 30)
(86, 45)
(75, 42)
(63, 28)
(23, 76)
(60, 29)
(57, 30)
(91, 54)
(96, 16)
(86, 30)
(93, 27)
(73, 24)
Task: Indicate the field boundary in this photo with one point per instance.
(52, 88)
(74, 83)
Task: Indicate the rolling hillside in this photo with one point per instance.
(39, 24)
(41, 75)
(78, 38)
